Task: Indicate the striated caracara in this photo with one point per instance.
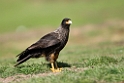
(48, 46)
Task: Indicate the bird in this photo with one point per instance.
(48, 46)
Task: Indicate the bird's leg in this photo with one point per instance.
(52, 65)
(59, 69)
(56, 65)
(55, 69)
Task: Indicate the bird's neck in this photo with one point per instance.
(64, 30)
(65, 27)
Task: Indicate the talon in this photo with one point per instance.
(60, 68)
(53, 70)
(56, 70)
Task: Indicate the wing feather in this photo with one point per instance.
(48, 40)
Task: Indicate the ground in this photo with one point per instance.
(93, 54)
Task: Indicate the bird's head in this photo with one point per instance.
(66, 22)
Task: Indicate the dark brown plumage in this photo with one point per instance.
(48, 46)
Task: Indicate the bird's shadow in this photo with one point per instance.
(60, 64)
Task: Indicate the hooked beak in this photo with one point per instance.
(69, 22)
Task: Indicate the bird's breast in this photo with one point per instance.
(64, 39)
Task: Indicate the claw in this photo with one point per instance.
(56, 70)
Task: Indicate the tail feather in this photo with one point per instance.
(24, 56)
(27, 54)
(23, 60)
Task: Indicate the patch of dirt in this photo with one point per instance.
(75, 69)
(18, 78)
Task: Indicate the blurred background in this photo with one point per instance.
(95, 22)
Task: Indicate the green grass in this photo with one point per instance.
(88, 65)
(86, 59)
(94, 53)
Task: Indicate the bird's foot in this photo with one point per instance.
(56, 70)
